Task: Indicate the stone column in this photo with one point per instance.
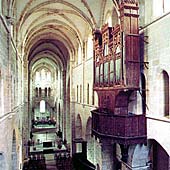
(108, 154)
(64, 105)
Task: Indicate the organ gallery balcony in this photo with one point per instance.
(122, 129)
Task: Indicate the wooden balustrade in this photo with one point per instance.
(123, 129)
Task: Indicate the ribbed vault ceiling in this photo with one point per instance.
(57, 27)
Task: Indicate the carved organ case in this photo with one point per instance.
(116, 79)
(116, 55)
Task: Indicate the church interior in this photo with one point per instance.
(84, 85)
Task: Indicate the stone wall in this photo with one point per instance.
(157, 53)
(156, 30)
(9, 103)
(83, 75)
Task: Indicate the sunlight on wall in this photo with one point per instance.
(166, 5)
(157, 8)
(2, 97)
(90, 46)
(79, 55)
(160, 7)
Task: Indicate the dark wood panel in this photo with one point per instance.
(123, 129)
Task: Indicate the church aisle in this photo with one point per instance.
(50, 162)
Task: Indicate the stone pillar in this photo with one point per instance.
(73, 129)
(124, 152)
(108, 154)
(84, 149)
(64, 105)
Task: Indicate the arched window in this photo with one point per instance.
(42, 106)
(36, 91)
(46, 92)
(43, 78)
(49, 92)
(109, 21)
(40, 92)
(37, 78)
(166, 93)
(49, 76)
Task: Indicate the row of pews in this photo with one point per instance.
(38, 162)
(63, 161)
(35, 162)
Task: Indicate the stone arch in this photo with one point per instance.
(138, 151)
(89, 139)
(159, 158)
(14, 152)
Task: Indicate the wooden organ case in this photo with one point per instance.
(116, 79)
